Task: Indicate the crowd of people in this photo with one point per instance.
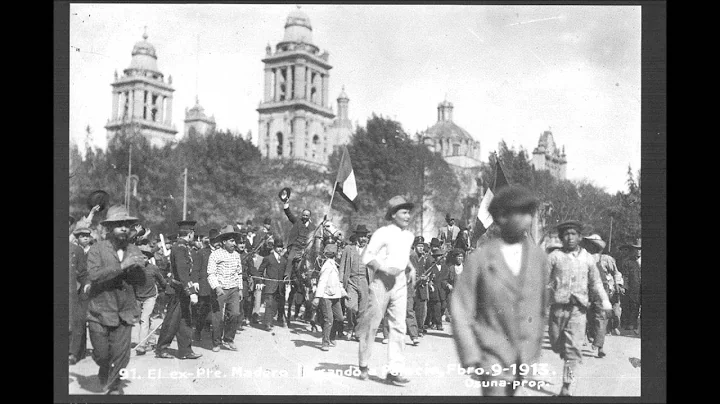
(498, 296)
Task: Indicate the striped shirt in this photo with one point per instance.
(224, 269)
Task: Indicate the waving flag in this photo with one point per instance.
(484, 219)
(345, 181)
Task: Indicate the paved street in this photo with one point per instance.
(300, 368)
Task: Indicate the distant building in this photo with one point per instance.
(462, 153)
(547, 156)
(195, 118)
(296, 121)
(142, 100)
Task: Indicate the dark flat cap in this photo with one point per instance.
(419, 240)
(513, 198)
(569, 224)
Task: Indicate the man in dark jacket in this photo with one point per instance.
(274, 269)
(500, 297)
(113, 266)
(183, 291)
(356, 278)
(438, 273)
(299, 236)
(78, 303)
(422, 291)
(206, 296)
(146, 295)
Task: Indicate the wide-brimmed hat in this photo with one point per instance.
(434, 242)
(118, 213)
(361, 229)
(284, 194)
(225, 233)
(512, 198)
(82, 230)
(636, 245)
(98, 197)
(145, 249)
(396, 203)
(440, 250)
(569, 224)
(595, 239)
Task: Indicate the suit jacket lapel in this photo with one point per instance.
(502, 271)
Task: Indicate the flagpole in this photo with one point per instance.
(185, 195)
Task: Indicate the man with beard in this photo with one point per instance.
(356, 278)
(225, 278)
(574, 281)
(388, 256)
(182, 289)
(114, 266)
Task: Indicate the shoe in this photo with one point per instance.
(385, 340)
(415, 341)
(615, 331)
(363, 373)
(163, 355)
(283, 324)
(246, 322)
(396, 379)
(332, 343)
(140, 350)
(325, 347)
(197, 336)
(216, 348)
(230, 345)
(350, 336)
(601, 353)
(191, 355)
(72, 360)
(440, 328)
(255, 318)
(116, 391)
(268, 328)
(133, 345)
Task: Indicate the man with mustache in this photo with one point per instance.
(356, 278)
(114, 266)
(297, 241)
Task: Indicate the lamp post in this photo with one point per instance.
(431, 147)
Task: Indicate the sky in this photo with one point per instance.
(511, 72)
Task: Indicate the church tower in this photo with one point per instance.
(142, 100)
(295, 114)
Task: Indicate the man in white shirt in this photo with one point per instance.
(388, 255)
(224, 274)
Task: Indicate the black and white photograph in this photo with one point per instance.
(332, 200)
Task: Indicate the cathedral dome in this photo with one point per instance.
(144, 56)
(448, 130)
(297, 27)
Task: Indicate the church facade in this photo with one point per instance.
(296, 122)
(547, 156)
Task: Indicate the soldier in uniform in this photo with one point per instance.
(183, 290)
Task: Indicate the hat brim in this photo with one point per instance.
(225, 236)
(391, 211)
(125, 219)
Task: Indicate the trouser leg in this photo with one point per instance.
(204, 307)
(111, 351)
(270, 307)
(420, 307)
(99, 334)
(396, 311)
(257, 302)
(218, 319)
(232, 307)
(170, 324)
(598, 325)
(370, 320)
(185, 327)
(410, 321)
(78, 330)
(338, 318)
(325, 306)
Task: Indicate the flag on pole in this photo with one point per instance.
(484, 218)
(345, 181)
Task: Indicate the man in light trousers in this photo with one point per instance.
(388, 255)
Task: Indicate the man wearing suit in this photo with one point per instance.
(260, 242)
(78, 304)
(422, 290)
(449, 233)
(275, 269)
(500, 297)
(356, 278)
(206, 296)
(438, 273)
(114, 266)
(298, 237)
(182, 289)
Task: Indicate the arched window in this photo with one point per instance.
(315, 141)
(280, 143)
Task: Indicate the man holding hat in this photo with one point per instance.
(597, 319)
(114, 266)
(146, 295)
(498, 305)
(224, 274)
(631, 270)
(574, 281)
(356, 278)
(388, 256)
(298, 237)
(183, 293)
